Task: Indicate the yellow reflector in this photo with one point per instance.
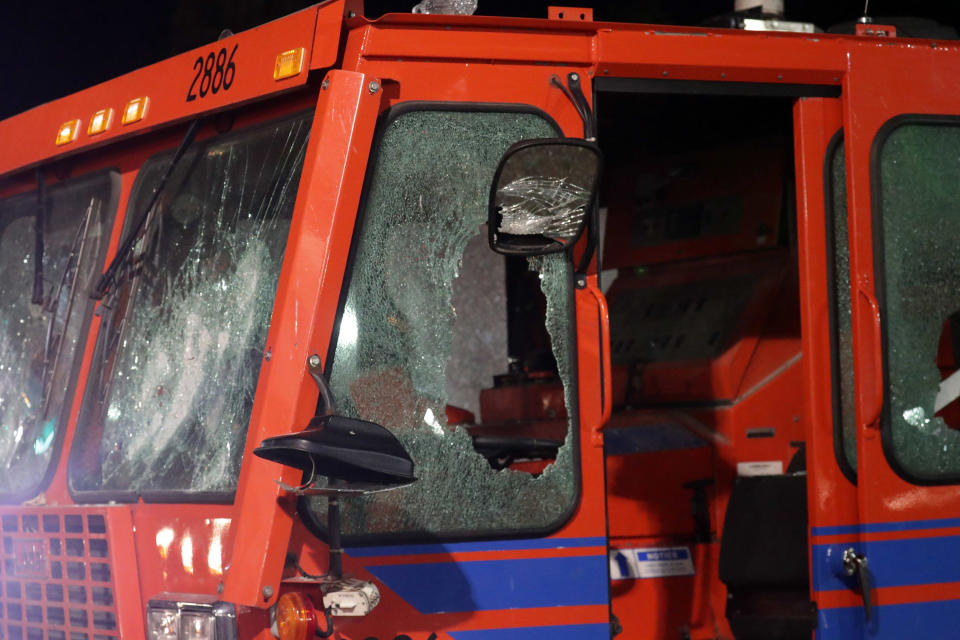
(100, 121)
(289, 64)
(68, 132)
(135, 110)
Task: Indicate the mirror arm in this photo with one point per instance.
(326, 394)
(593, 226)
(575, 95)
(589, 121)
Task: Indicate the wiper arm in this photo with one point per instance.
(109, 276)
(38, 246)
(54, 341)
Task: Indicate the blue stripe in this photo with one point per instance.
(835, 531)
(555, 632)
(921, 620)
(490, 545)
(893, 563)
(439, 587)
(885, 527)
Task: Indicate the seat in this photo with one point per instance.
(764, 560)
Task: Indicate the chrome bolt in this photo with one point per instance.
(313, 361)
(374, 86)
(267, 592)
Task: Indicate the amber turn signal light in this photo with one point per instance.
(296, 617)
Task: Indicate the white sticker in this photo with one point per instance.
(764, 468)
(650, 562)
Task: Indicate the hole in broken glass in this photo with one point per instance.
(946, 405)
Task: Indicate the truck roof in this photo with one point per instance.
(170, 93)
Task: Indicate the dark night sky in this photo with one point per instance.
(50, 49)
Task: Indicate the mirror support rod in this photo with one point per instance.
(38, 246)
(575, 95)
(107, 279)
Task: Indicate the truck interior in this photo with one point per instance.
(704, 448)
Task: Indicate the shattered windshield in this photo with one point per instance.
(437, 331)
(40, 344)
(177, 363)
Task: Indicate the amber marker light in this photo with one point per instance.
(289, 64)
(296, 617)
(68, 132)
(135, 110)
(100, 121)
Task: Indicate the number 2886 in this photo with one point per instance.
(214, 72)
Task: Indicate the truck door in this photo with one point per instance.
(901, 143)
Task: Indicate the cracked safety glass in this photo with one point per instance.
(844, 391)
(178, 358)
(40, 344)
(919, 188)
(443, 341)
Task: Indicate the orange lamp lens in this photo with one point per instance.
(296, 617)
(68, 132)
(100, 122)
(288, 64)
(135, 110)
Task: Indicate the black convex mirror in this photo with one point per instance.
(542, 195)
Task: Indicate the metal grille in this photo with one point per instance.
(56, 582)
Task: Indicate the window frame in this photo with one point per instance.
(311, 520)
(833, 311)
(73, 377)
(168, 496)
(880, 289)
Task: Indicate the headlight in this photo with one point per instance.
(190, 617)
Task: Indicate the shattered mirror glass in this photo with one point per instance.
(542, 197)
(423, 330)
(40, 344)
(919, 187)
(178, 357)
(843, 346)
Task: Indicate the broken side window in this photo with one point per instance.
(171, 393)
(431, 317)
(41, 344)
(919, 192)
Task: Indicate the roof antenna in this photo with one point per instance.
(865, 18)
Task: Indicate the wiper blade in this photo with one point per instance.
(109, 276)
(38, 246)
(54, 341)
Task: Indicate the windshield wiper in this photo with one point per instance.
(38, 245)
(54, 340)
(108, 279)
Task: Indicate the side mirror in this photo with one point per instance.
(542, 195)
(355, 455)
(362, 456)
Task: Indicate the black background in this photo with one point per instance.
(52, 49)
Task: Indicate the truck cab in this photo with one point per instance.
(718, 406)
